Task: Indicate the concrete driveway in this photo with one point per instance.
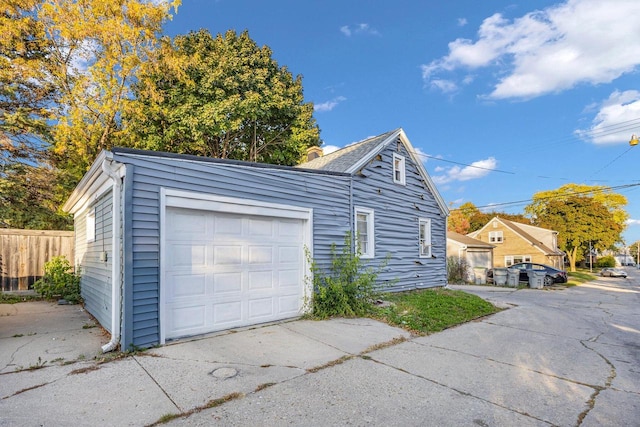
(563, 357)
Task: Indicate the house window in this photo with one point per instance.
(509, 260)
(495, 237)
(425, 237)
(399, 175)
(364, 232)
(90, 225)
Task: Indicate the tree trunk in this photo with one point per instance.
(572, 259)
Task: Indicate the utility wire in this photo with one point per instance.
(556, 196)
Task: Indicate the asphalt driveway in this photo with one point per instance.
(556, 357)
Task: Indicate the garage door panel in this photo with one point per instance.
(289, 304)
(261, 227)
(225, 313)
(227, 255)
(227, 225)
(188, 285)
(246, 270)
(289, 279)
(187, 318)
(261, 255)
(195, 223)
(259, 308)
(225, 283)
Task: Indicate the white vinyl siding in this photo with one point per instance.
(399, 173)
(90, 225)
(365, 232)
(425, 237)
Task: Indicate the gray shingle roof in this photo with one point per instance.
(342, 160)
(468, 241)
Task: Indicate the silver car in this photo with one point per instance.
(613, 272)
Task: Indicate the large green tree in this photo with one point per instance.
(614, 202)
(581, 222)
(223, 97)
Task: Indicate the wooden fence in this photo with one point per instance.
(24, 252)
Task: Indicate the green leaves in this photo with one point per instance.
(223, 97)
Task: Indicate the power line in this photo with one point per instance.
(556, 196)
(462, 164)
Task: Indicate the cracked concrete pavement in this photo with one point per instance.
(566, 357)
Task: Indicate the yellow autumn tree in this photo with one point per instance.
(66, 68)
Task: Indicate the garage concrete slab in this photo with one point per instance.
(192, 384)
(43, 333)
(117, 393)
(543, 397)
(543, 352)
(359, 392)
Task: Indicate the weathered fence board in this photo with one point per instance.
(23, 254)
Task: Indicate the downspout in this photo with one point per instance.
(112, 170)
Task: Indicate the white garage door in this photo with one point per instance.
(225, 270)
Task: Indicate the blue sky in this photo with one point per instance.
(534, 94)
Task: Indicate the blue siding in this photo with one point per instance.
(397, 209)
(95, 281)
(327, 195)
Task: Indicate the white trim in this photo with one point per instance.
(402, 169)
(426, 222)
(497, 236)
(507, 258)
(213, 203)
(371, 246)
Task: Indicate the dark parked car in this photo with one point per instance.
(613, 272)
(553, 275)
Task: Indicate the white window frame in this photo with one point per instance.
(371, 244)
(496, 237)
(90, 225)
(399, 169)
(509, 259)
(424, 243)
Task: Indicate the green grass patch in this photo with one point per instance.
(432, 310)
(13, 298)
(580, 276)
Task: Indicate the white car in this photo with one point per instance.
(613, 272)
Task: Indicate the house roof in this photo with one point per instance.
(354, 157)
(467, 241)
(518, 228)
(343, 160)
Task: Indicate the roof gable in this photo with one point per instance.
(519, 230)
(354, 157)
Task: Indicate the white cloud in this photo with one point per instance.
(329, 105)
(476, 170)
(445, 86)
(358, 29)
(633, 222)
(618, 117)
(462, 22)
(551, 50)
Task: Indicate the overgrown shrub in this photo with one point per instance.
(59, 280)
(347, 289)
(457, 269)
(606, 261)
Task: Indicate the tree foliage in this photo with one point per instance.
(614, 202)
(222, 97)
(580, 222)
(66, 69)
(468, 218)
